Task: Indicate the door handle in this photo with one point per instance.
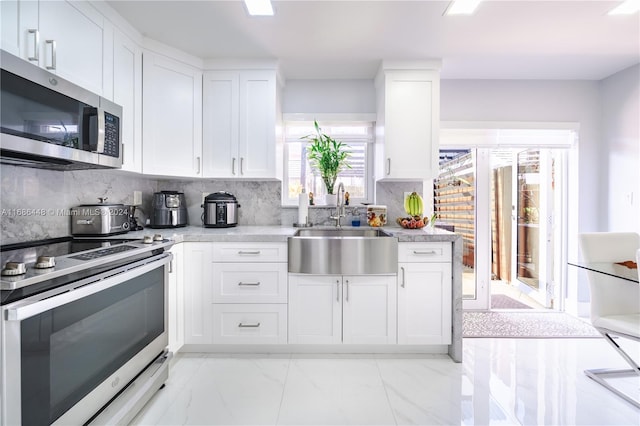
(388, 166)
(402, 282)
(337, 290)
(36, 42)
(241, 161)
(233, 166)
(52, 43)
(347, 290)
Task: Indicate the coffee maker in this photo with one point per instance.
(169, 210)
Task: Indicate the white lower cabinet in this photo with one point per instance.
(330, 309)
(424, 294)
(198, 269)
(176, 300)
(249, 296)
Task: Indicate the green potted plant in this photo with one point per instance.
(328, 156)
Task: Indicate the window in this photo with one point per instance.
(298, 173)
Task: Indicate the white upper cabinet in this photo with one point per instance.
(65, 38)
(408, 115)
(126, 75)
(20, 28)
(172, 117)
(239, 123)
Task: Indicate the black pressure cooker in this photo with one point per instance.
(220, 210)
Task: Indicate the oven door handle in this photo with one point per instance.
(87, 287)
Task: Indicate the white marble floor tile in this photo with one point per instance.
(181, 371)
(334, 392)
(501, 381)
(541, 382)
(232, 391)
(423, 391)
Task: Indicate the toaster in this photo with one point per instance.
(99, 219)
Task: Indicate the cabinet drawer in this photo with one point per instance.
(250, 252)
(250, 324)
(249, 283)
(424, 252)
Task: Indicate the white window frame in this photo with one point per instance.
(325, 120)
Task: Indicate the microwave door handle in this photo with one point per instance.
(101, 125)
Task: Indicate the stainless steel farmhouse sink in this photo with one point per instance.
(343, 252)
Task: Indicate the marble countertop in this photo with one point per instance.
(279, 234)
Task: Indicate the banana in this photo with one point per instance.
(407, 199)
(414, 205)
(420, 205)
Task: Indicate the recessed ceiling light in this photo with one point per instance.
(462, 7)
(627, 7)
(259, 7)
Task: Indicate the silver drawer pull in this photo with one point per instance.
(255, 283)
(84, 222)
(249, 252)
(242, 325)
(424, 252)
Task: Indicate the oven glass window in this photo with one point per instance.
(67, 351)
(39, 113)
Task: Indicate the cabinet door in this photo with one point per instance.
(197, 292)
(369, 309)
(411, 124)
(257, 124)
(424, 303)
(20, 28)
(220, 123)
(71, 35)
(171, 117)
(127, 92)
(315, 309)
(176, 300)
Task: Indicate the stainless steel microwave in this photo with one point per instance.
(51, 123)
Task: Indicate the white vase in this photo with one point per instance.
(331, 199)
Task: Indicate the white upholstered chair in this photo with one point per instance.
(615, 302)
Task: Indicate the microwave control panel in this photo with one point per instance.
(111, 135)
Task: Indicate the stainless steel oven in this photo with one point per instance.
(93, 349)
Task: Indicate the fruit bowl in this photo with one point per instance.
(415, 222)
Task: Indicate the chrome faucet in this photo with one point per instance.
(340, 213)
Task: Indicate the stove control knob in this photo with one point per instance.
(14, 268)
(44, 262)
(148, 239)
(157, 237)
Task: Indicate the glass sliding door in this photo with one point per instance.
(534, 196)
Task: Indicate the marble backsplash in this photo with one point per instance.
(260, 201)
(35, 203)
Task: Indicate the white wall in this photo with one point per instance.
(329, 96)
(620, 150)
